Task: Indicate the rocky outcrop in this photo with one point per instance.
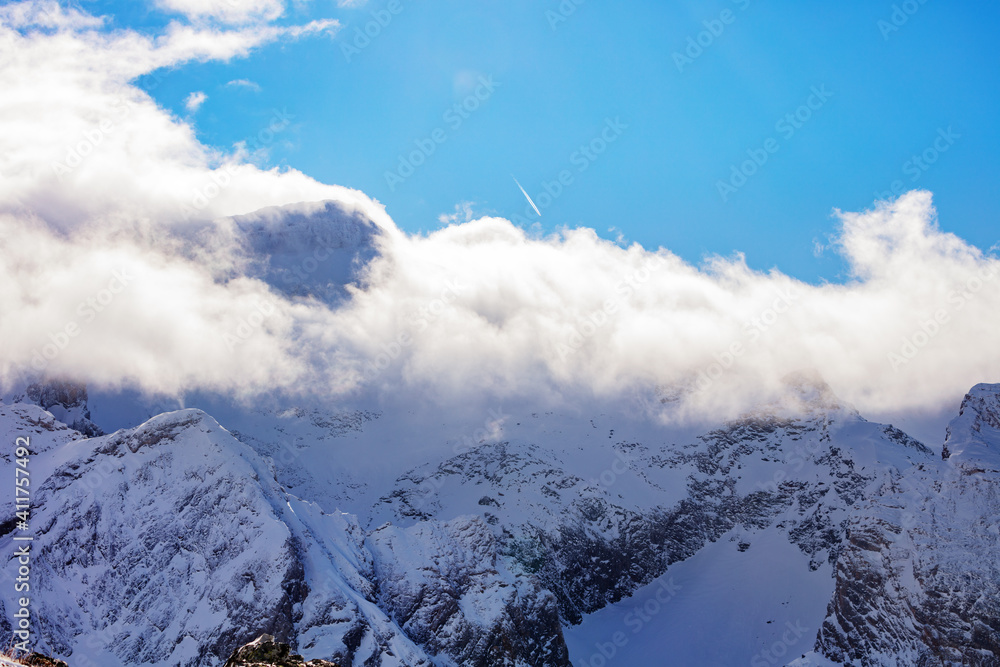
(467, 605)
(918, 582)
(67, 401)
(266, 652)
(39, 660)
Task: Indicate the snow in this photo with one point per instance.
(973, 437)
(724, 607)
(188, 532)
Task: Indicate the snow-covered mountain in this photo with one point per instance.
(918, 581)
(306, 249)
(174, 542)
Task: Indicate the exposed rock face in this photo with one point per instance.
(266, 652)
(468, 606)
(591, 548)
(67, 401)
(918, 582)
(973, 437)
(39, 660)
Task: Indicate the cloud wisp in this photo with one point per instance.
(194, 101)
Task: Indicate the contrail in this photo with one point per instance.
(527, 197)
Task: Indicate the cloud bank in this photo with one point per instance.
(121, 264)
(577, 314)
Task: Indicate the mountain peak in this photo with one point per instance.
(805, 394)
(309, 248)
(329, 222)
(975, 433)
(166, 427)
(808, 386)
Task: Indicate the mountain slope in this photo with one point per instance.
(175, 544)
(781, 481)
(918, 582)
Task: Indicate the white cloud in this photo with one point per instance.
(46, 14)
(244, 83)
(83, 143)
(226, 11)
(99, 172)
(194, 101)
(462, 213)
(351, 4)
(98, 179)
(577, 315)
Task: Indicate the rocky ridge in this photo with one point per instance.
(185, 544)
(918, 582)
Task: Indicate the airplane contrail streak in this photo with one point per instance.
(527, 197)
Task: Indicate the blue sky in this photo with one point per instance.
(895, 89)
